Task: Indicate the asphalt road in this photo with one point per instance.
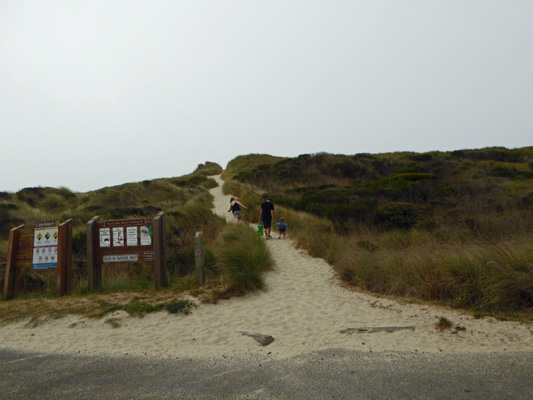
(324, 375)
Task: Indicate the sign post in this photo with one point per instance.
(64, 258)
(199, 258)
(126, 241)
(11, 279)
(25, 250)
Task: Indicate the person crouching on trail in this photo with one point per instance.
(265, 215)
(235, 206)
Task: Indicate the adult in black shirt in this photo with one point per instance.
(265, 215)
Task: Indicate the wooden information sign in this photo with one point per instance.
(126, 241)
(23, 251)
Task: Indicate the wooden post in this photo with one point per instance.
(68, 277)
(11, 276)
(93, 268)
(64, 258)
(199, 258)
(160, 270)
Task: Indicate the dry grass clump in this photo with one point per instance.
(493, 278)
(312, 233)
(244, 258)
(96, 305)
(443, 324)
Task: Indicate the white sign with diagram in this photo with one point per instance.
(105, 237)
(118, 236)
(45, 247)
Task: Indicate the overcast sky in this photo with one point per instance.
(100, 92)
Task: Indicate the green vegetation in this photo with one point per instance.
(454, 228)
(443, 324)
(187, 205)
(451, 227)
(244, 256)
(137, 307)
(94, 305)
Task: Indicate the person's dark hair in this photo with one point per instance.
(233, 198)
(269, 198)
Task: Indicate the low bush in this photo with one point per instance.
(397, 215)
(243, 256)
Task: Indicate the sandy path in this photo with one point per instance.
(303, 308)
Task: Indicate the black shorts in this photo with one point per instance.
(267, 222)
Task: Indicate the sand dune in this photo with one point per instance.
(304, 308)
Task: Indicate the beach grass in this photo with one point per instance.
(244, 258)
(449, 227)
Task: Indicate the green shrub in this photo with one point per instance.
(423, 157)
(31, 195)
(401, 181)
(8, 206)
(511, 173)
(361, 211)
(182, 306)
(397, 215)
(53, 202)
(243, 255)
(207, 169)
(443, 324)
(8, 220)
(181, 262)
(491, 154)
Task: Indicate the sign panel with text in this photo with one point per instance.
(126, 240)
(45, 244)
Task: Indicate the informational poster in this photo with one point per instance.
(132, 236)
(105, 237)
(124, 241)
(118, 236)
(146, 235)
(45, 245)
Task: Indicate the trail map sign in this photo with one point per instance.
(125, 241)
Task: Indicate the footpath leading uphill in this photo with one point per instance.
(304, 308)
